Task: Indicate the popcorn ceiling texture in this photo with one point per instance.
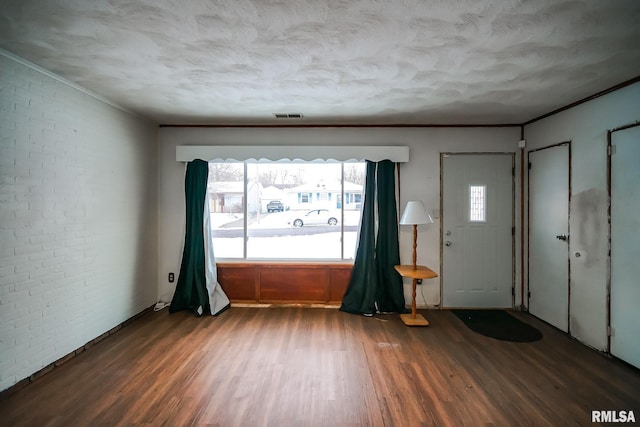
(359, 62)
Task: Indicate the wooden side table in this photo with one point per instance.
(415, 272)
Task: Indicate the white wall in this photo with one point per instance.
(420, 179)
(586, 127)
(78, 218)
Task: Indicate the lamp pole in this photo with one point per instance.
(415, 245)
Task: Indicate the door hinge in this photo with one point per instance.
(513, 292)
(611, 150)
(513, 231)
(529, 294)
(610, 331)
(529, 165)
(513, 171)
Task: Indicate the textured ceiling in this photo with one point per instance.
(335, 61)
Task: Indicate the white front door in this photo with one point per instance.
(549, 235)
(625, 245)
(477, 230)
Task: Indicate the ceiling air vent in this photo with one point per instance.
(288, 115)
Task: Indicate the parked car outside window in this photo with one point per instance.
(314, 217)
(275, 206)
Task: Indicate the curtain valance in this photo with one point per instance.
(341, 153)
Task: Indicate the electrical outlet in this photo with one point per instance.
(419, 282)
(172, 277)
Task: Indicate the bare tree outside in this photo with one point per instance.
(268, 178)
(354, 173)
(280, 175)
(226, 172)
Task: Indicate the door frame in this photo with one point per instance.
(570, 173)
(609, 172)
(513, 215)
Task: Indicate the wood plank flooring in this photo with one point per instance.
(321, 367)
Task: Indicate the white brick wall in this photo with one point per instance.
(78, 218)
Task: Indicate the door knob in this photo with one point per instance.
(447, 243)
(562, 237)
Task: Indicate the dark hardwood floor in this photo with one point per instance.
(321, 367)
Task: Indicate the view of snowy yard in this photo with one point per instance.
(270, 237)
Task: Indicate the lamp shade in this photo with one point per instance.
(415, 213)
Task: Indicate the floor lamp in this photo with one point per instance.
(415, 214)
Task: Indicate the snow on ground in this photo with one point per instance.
(314, 246)
(220, 219)
(275, 219)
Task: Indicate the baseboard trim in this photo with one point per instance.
(64, 359)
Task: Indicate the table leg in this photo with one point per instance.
(413, 298)
(414, 319)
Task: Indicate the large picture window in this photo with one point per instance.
(285, 210)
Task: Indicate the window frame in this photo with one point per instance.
(310, 195)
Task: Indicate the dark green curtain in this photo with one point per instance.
(360, 295)
(390, 293)
(375, 286)
(191, 289)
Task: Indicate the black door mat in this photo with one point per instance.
(498, 324)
